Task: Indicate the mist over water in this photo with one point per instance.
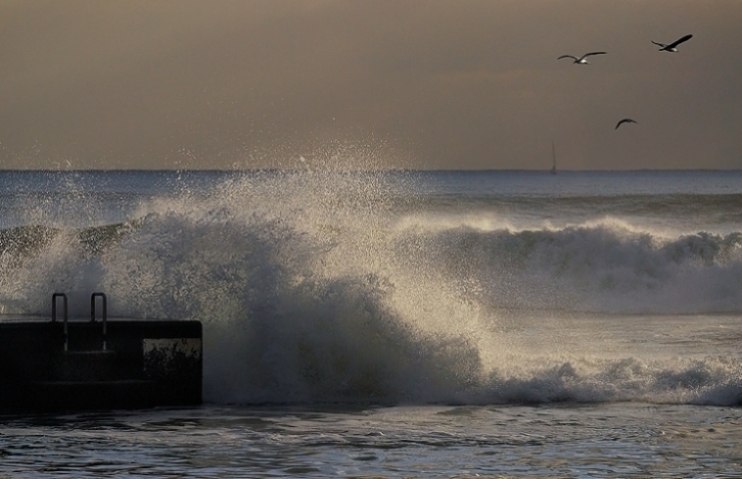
(319, 286)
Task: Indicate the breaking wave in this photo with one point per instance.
(317, 287)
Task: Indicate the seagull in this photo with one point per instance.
(582, 60)
(625, 120)
(671, 46)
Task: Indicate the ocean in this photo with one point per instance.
(390, 324)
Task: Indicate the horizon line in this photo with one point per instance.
(339, 170)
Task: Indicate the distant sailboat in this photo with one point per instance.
(553, 157)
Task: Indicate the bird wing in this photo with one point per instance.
(679, 41)
(593, 53)
(660, 44)
(625, 120)
(568, 56)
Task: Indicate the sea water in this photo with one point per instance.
(397, 324)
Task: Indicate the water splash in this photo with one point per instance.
(314, 286)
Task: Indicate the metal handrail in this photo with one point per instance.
(104, 315)
(54, 315)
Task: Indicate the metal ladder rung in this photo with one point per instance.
(104, 315)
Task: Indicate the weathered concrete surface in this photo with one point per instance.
(146, 363)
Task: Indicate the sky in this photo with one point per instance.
(428, 84)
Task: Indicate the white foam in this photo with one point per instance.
(311, 288)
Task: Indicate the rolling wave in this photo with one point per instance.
(602, 268)
(312, 291)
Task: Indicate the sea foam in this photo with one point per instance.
(314, 287)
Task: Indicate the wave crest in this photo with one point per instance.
(310, 291)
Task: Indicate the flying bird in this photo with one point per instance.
(583, 59)
(671, 47)
(625, 120)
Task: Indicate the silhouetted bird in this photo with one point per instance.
(582, 60)
(670, 47)
(625, 120)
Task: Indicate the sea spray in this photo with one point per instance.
(293, 279)
(323, 285)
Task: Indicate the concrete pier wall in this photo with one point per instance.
(145, 363)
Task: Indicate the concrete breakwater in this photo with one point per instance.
(67, 363)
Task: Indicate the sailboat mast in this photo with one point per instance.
(553, 158)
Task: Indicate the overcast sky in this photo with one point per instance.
(472, 84)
